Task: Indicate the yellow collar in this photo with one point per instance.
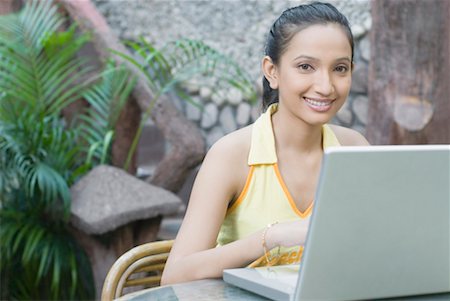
(262, 149)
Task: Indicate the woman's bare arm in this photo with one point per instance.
(194, 254)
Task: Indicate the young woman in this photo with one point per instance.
(255, 189)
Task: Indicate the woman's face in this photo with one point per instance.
(314, 73)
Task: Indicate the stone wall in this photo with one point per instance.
(237, 28)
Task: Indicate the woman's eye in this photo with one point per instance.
(305, 67)
(341, 69)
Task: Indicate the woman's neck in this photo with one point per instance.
(292, 133)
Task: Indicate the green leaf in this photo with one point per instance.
(34, 237)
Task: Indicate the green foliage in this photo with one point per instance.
(44, 261)
(41, 155)
(107, 99)
(37, 157)
(180, 61)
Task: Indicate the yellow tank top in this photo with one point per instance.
(265, 198)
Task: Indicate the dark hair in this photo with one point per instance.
(291, 22)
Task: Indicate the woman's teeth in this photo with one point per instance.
(318, 103)
(320, 106)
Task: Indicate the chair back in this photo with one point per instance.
(140, 266)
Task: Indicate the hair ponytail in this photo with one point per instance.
(269, 96)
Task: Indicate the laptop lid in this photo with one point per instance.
(381, 224)
(380, 228)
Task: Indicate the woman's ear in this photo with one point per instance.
(270, 72)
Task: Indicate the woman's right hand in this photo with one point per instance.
(287, 234)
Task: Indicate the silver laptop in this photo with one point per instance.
(380, 229)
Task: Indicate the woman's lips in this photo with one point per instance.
(319, 105)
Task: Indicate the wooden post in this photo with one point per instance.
(409, 76)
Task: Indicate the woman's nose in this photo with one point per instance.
(324, 83)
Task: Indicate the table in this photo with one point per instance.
(218, 290)
(208, 289)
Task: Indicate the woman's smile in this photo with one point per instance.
(319, 105)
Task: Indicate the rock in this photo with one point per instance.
(215, 134)
(209, 116)
(368, 22)
(259, 86)
(108, 197)
(192, 86)
(243, 113)
(205, 92)
(227, 120)
(218, 97)
(364, 47)
(360, 108)
(234, 96)
(256, 111)
(178, 102)
(345, 115)
(194, 112)
(360, 78)
(358, 31)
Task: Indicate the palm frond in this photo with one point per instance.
(36, 64)
(39, 19)
(53, 253)
(38, 157)
(107, 99)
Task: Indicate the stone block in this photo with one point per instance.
(209, 117)
(344, 115)
(234, 96)
(215, 134)
(364, 47)
(218, 97)
(361, 107)
(108, 198)
(193, 112)
(360, 78)
(243, 113)
(227, 120)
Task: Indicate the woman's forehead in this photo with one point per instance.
(321, 41)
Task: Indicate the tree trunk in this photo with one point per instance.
(125, 130)
(10, 6)
(187, 147)
(409, 84)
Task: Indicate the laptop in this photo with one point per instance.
(380, 228)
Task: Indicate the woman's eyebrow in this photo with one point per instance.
(344, 59)
(305, 57)
(315, 59)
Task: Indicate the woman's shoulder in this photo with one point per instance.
(348, 137)
(229, 157)
(234, 143)
(234, 146)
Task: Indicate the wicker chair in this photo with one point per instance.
(146, 262)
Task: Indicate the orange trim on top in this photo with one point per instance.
(243, 192)
(289, 196)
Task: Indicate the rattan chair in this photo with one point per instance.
(142, 265)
